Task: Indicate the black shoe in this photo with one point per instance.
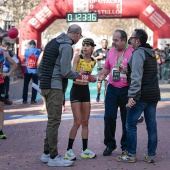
(24, 102)
(108, 151)
(8, 102)
(33, 102)
(98, 98)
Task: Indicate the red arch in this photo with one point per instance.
(50, 10)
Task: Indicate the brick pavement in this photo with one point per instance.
(25, 129)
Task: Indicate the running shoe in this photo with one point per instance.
(2, 135)
(45, 157)
(70, 155)
(88, 154)
(126, 158)
(124, 153)
(59, 161)
(149, 159)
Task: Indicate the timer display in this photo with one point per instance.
(82, 17)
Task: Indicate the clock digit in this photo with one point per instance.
(79, 17)
(89, 16)
(84, 18)
(69, 17)
(94, 17)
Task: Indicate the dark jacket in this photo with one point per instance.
(56, 63)
(142, 75)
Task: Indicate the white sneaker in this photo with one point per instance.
(70, 155)
(45, 158)
(88, 154)
(59, 161)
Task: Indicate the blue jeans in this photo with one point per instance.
(115, 97)
(133, 114)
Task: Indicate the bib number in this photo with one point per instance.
(84, 78)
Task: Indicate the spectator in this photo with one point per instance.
(143, 95)
(5, 47)
(31, 56)
(56, 65)
(117, 90)
(100, 57)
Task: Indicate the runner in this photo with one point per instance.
(80, 99)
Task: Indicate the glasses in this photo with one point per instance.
(81, 36)
(132, 38)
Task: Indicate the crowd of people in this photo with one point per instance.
(129, 69)
(163, 63)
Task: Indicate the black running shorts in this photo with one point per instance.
(2, 93)
(79, 93)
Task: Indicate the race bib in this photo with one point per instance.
(84, 78)
(116, 74)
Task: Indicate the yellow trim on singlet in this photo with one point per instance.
(87, 66)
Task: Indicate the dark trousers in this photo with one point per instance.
(115, 97)
(6, 85)
(27, 78)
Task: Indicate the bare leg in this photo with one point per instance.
(1, 115)
(76, 109)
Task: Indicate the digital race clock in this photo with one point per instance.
(82, 17)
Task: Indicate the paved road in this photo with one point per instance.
(25, 129)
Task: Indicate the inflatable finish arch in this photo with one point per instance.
(50, 10)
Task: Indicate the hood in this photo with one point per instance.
(148, 49)
(64, 38)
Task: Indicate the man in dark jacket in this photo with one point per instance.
(144, 94)
(55, 68)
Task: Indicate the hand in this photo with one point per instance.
(81, 71)
(130, 103)
(102, 77)
(100, 56)
(93, 78)
(123, 69)
(5, 74)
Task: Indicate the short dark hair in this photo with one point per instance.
(141, 35)
(32, 42)
(89, 41)
(123, 34)
(5, 44)
(104, 40)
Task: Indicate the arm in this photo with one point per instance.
(136, 75)
(40, 57)
(97, 55)
(104, 71)
(13, 65)
(66, 52)
(75, 62)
